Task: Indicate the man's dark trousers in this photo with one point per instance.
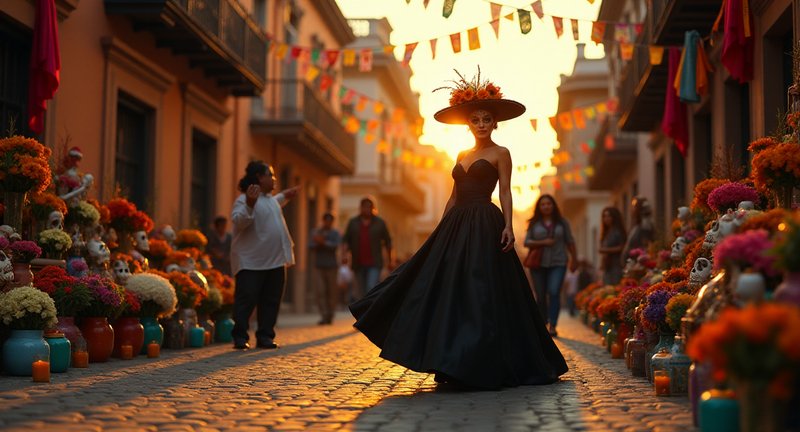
(262, 289)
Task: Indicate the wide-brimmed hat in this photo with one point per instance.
(501, 109)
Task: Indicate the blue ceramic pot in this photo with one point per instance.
(60, 352)
(224, 328)
(197, 337)
(21, 349)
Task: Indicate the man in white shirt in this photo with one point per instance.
(260, 252)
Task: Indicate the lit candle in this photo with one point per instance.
(80, 359)
(153, 350)
(661, 380)
(41, 371)
(126, 352)
(616, 350)
(208, 337)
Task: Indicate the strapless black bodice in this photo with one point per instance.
(461, 306)
(476, 183)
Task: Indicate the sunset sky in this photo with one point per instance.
(526, 67)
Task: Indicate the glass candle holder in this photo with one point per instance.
(153, 349)
(661, 380)
(40, 369)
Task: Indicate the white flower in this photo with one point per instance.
(152, 287)
(27, 300)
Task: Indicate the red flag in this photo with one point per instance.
(558, 23)
(537, 8)
(598, 31)
(409, 52)
(534, 124)
(585, 148)
(45, 64)
(332, 56)
(325, 82)
(365, 60)
(495, 13)
(296, 52)
(609, 143)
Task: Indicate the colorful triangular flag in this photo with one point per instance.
(455, 41)
(496, 17)
(447, 9)
(524, 20)
(534, 124)
(473, 38)
(656, 54)
(598, 31)
(365, 60)
(409, 52)
(348, 57)
(537, 9)
(433, 47)
(575, 32)
(558, 24)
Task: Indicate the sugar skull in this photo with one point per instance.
(142, 244)
(701, 272)
(678, 247)
(98, 252)
(55, 220)
(6, 269)
(121, 271)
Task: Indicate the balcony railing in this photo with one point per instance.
(304, 121)
(217, 35)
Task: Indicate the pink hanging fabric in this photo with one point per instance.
(45, 64)
(675, 124)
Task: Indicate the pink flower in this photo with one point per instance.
(729, 195)
(748, 249)
(3, 242)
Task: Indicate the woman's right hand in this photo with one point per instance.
(251, 195)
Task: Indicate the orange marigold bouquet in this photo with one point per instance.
(191, 238)
(189, 293)
(777, 166)
(24, 165)
(44, 203)
(769, 220)
(608, 310)
(475, 89)
(759, 344)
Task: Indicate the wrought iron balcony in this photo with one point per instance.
(642, 86)
(218, 36)
(404, 192)
(304, 122)
(609, 163)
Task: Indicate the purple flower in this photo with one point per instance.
(729, 195)
(748, 249)
(656, 309)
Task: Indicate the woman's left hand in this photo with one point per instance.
(507, 239)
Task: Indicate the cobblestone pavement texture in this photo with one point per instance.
(331, 378)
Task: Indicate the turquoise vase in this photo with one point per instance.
(665, 340)
(224, 327)
(679, 368)
(22, 348)
(718, 413)
(60, 352)
(153, 332)
(197, 337)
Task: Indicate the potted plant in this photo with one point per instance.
(54, 243)
(24, 167)
(28, 312)
(69, 295)
(128, 330)
(108, 301)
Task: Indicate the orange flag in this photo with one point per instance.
(433, 47)
(565, 121)
(656, 54)
(534, 123)
(473, 38)
(558, 23)
(626, 51)
(598, 31)
(455, 41)
(409, 52)
(580, 121)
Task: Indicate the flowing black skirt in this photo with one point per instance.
(463, 308)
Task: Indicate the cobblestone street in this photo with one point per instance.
(330, 378)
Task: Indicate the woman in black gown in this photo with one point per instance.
(462, 306)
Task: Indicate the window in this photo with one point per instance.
(204, 176)
(15, 49)
(133, 172)
(777, 63)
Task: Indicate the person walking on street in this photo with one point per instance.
(365, 237)
(550, 232)
(324, 242)
(261, 250)
(219, 245)
(612, 241)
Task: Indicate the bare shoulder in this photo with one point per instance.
(502, 153)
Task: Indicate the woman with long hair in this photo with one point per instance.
(550, 232)
(461, 307)
(612, 241)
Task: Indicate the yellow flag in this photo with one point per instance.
(281, 51)
(349, 57)
(312, 73)
(377, 107)
(473, 38)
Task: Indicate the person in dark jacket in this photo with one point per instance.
(365, 237)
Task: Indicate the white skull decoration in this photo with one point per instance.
(172, 268)
(712, 236)
(121, 272)
(98, 251)
(55, 220)
(10, 233)
(684, 213)
(729, 222)
(6, 269)
(701, 272)
(677, 248)
(169, 234)
(142, 243)
(746, 205)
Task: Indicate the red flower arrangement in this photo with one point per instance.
(475, 89)
(125, 217)
(191, 238)
(675, 275)
(729, 195)
(759, 344)
(629, 300)
(69, 296)
(132, 305)
(747, 249)
(25, 251)
(44, 203)
(608, 310)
